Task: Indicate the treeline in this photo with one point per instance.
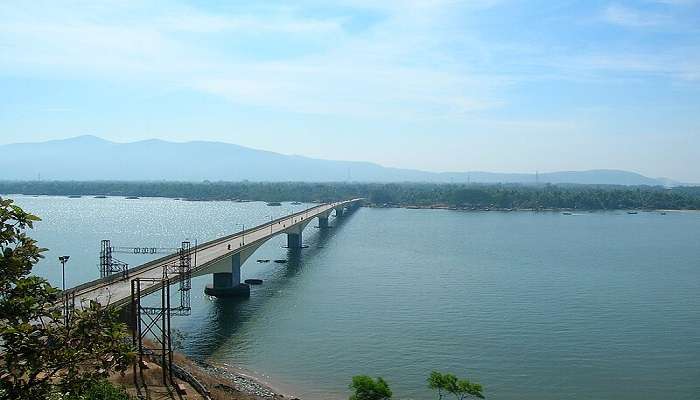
(497, 196)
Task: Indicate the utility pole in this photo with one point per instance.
(64, 260)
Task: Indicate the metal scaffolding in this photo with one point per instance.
(110, 265)
(152, 323)
(182, 270)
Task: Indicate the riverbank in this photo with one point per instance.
(471, 195)
(513, 209)
(210, 380)
(228, 382)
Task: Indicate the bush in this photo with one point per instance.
(366, 388)
(100, 390)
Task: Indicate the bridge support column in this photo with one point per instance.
(322, 222)
(294, 240)
(228, 284)
(339, 212)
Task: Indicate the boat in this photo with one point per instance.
(132, 198)
(74, 196)
(263, 260)
(663, 212)
(281, 261)
(100, 197)
(274, 204)
(254, 281)
(566, 213)
(631, 212)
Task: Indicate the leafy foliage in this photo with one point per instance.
(102, 390)
(42, 352)
(449, 383)
(366, 388)
(588, 197)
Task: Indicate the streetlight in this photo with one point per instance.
(270, 216)
(64, 260)
(243, 238)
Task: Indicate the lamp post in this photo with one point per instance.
(270, 216)
(243, 231)
(64, 260)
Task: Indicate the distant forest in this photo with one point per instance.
(479, 196)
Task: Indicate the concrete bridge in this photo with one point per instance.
(222, 258)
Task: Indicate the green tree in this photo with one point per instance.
(41, 352)
(448, 383)
(366, 388)
(436, 381)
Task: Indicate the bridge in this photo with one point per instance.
(222, 258)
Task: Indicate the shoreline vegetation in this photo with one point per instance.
(457, 196)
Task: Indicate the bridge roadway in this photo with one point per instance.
(221, 257)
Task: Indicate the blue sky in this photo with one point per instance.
(508, 86)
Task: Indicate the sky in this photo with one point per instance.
(502, 86)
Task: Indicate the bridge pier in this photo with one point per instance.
(339, 212)
(294, 240)
(228, 284)
(322, 222)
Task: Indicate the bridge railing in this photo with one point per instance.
(267, 224)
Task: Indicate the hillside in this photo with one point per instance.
(93, 158)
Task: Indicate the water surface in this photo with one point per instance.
(532, 305)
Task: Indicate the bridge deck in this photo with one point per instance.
(117, 292)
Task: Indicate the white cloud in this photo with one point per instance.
(676, 2)
(389, 70)
(398, 67)
(629, 17)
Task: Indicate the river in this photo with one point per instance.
(601, 305)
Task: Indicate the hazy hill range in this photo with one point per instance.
(92, 158)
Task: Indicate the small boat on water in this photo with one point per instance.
(263, 261)
(74, 196)
(281, 261)
(132, 198)
(632, 212)
(274, 204)
(566, 213)
(663, 212)
(254, 281)
(100, 197)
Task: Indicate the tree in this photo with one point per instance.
(366, 388)
(460, 388)
(436, 381)
(42, 352)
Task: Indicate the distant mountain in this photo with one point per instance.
(93, 158)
